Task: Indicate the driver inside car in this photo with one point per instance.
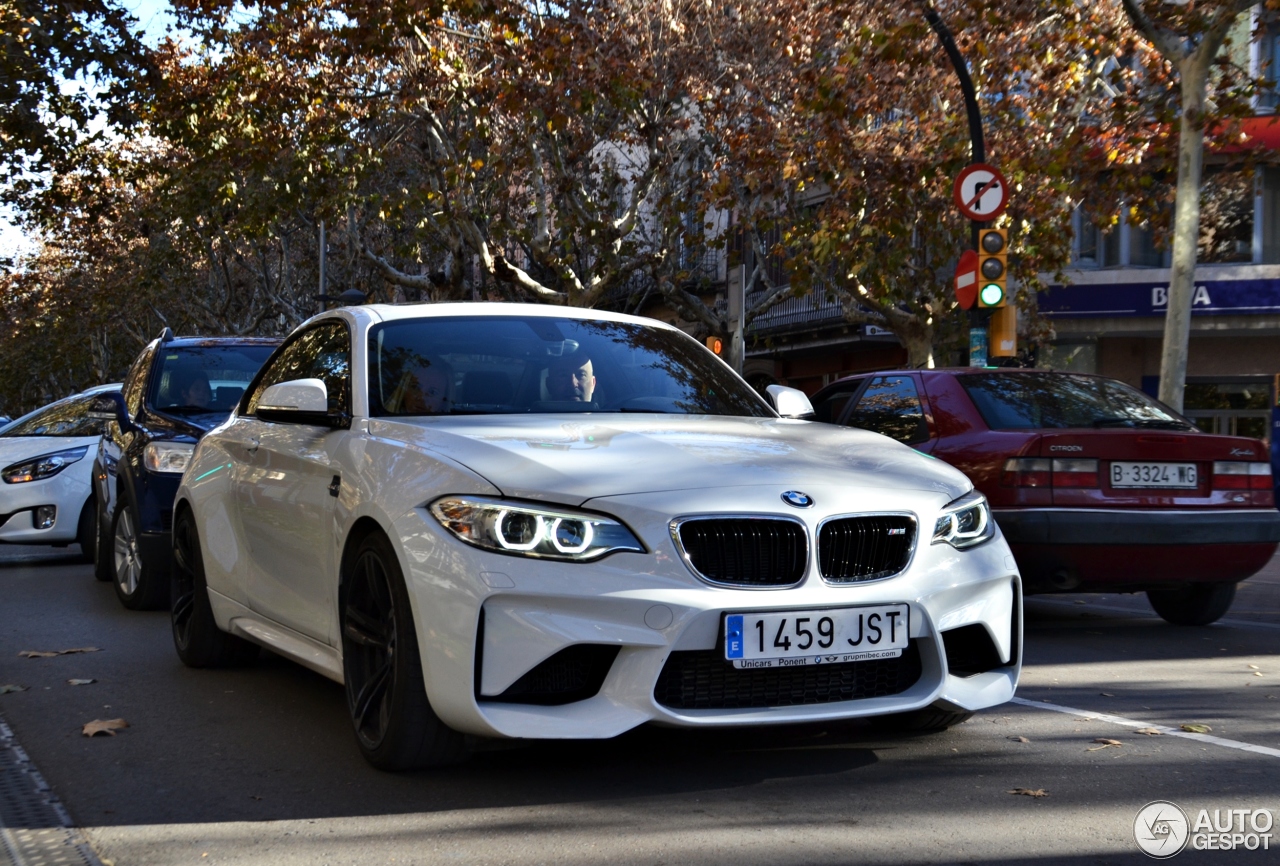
(571, 379)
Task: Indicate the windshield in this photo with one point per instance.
(1020, 401)
(204, 379)
(492, 365)
(64, 418)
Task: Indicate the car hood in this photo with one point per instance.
(570, 459)
(18, 448)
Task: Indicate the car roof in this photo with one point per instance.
(393, 312)
(957, 371)
(212, 342)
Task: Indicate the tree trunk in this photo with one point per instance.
(1186, 231)
(919, 345)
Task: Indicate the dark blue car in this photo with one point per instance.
(178, 389)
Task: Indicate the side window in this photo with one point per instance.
(891, 406)
(135, 382)
(322, 352)
(832, 406)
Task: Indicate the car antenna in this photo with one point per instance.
(166, 335)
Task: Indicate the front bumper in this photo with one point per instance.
(67, 491)
(486, 620)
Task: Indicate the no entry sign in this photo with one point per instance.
(967, 279)
(981, 192)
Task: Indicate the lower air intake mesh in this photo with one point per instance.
(703, 680)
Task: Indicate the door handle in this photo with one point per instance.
(251, 445)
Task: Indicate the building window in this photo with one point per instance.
(1231, 407)
(1226, 218)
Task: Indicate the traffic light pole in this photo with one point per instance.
(978, 152)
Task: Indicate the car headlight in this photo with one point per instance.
(39, 468)
(526, 530)
(169, 457)
(965, 523)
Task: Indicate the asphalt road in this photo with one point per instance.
(258, 766)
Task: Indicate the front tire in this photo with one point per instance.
(136, 584)
(103, 562)
(395, 726)
(87, 531)
(196, 636)
(1195, 604)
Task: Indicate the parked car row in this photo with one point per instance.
(1096, 486)
(505, 520)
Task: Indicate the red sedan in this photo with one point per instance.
(1096, 486)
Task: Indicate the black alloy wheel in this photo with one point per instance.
(137, 585)
(196, 636)
(395, 726)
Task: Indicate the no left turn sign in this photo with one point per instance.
(981, 192)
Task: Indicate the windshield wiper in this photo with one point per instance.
(1112, 422)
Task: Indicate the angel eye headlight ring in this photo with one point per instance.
(520, 529)
(965, 523)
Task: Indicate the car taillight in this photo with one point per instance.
(1238, 475)
(1025, 472)
(1075, 472)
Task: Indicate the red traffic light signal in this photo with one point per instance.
(716, 345)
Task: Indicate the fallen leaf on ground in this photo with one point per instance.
(1254, 667)
(1106, 694)
(1196, 729)
(1106, 744)
(80, 682)
(1257, 673)
(1030, 792)
(4, 690)
(254, 797)
(1150, 732)
(1020, 739)
(104, 726)
(42, 654)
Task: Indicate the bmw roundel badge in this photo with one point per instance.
(797, 499)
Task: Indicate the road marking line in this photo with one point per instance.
(1143, 614)
(1134, 724)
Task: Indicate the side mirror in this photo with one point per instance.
(790, 402)
(109, 406)
(302, 401)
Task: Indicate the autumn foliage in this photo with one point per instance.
(582, 153)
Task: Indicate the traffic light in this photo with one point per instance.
(993, 268)
(716, 345)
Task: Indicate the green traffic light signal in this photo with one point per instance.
(991, 295)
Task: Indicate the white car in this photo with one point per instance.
(508, 520)
(47, 457)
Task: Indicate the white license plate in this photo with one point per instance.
(1177, 475)
(793, 638)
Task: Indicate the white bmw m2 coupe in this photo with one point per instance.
(506, 520)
